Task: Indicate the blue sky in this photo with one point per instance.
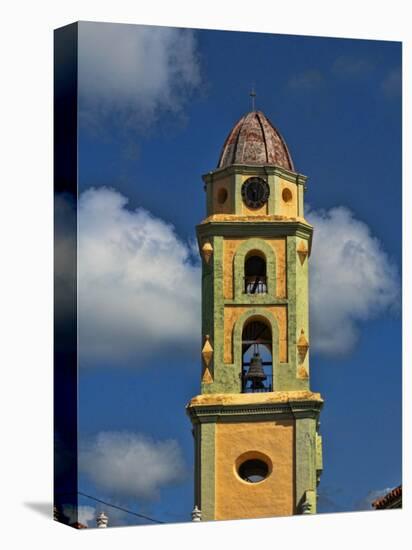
(155, 107)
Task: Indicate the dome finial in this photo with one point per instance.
(253, 96)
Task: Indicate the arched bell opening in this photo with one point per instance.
(257, 361)
(255, 273)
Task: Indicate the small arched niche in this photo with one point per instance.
(257, 360)
(222, 195)
(255, 273)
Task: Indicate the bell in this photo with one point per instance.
(256, 373)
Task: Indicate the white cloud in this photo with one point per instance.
(131, 465)
(366, 502)
(351, 280)
(83, 514)
(87, 514)
(133, 72)
(348, 66)
(138, 290)
(308, 80)
(392, 83)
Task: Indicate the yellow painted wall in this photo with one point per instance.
(246, 211)
(229, 250)
(288, 209)
(227, 206)
(232, 313)
(273, 496)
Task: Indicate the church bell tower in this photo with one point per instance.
(258, 452)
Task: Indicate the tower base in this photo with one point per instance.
(256, 455)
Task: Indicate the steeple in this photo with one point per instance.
(255, 422)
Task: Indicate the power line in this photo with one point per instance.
(120, 508)
(117, 507)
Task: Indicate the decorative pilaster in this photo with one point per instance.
(207, 470)
(305, 445)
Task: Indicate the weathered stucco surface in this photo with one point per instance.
(209, 399)
(274, 496)
(228, 206)
(290, 208)
(231, 246)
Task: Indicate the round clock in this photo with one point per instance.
(255, 192)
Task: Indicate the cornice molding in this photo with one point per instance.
(239, 227)
(246, 412)
(247, 169)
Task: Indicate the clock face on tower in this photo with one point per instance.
(255, 192)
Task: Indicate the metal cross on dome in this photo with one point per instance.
(253, 96)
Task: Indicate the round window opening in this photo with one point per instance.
(287, 195)
(253, 470)
(222, 195)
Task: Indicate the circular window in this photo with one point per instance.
(253, 470)
(287, 195)
(222, 195)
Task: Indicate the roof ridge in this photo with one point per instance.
(263, 134)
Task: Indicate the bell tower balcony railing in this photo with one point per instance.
(257, 386)
(255, 284)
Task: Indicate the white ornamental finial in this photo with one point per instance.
(306, 507)
(102, 520)
(196, 514)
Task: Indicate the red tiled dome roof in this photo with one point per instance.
(254, 140)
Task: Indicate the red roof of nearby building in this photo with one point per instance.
(389, 499)
(254, 140)
(78, 525)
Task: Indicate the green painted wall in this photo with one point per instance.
(226, 377)
(207, 470)
(305, 449)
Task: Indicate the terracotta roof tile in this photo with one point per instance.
(388, 499)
